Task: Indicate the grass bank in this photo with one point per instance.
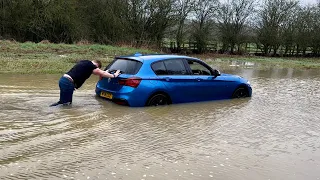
(262, 62)
(48, 58)
(32, 57)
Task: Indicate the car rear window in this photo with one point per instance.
(126, 66)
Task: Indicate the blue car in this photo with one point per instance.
(150, 80)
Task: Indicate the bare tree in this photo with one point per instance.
(303, 28)
(272, 17)
(288, 32)
(137, 17)
(2, 17)
(148, 19)
(203, 14)
(182, 9)
(232, 20)
(315, 41)
(161, 17)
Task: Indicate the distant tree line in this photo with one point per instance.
(269, 24)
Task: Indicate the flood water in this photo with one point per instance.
(273, 135)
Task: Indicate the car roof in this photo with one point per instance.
(153, 57)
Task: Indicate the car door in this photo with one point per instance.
(205, 84)
(176, 78)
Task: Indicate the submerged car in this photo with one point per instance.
(150, 80)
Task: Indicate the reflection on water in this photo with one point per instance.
(273, 135)
(232, 63)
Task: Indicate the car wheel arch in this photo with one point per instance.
(240, 86)
(159, 92)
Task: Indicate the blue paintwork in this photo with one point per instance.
(180, 88)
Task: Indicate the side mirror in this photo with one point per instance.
(216, 73)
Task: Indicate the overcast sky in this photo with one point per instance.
(306, 2)
(302, 2)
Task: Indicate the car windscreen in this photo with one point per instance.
(125, 66)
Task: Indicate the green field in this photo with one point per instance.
(54, 58)
(48, 58)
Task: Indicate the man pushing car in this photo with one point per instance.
(76, 76)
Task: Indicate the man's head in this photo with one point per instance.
(97, 63)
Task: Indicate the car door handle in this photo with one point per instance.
(167, 78)
(198, 79)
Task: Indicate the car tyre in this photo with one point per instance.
(240, 92)
(158, 99)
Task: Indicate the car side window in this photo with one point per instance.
(198, 69)
(175, 67)
(159, 68)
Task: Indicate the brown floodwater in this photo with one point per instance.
(275, 134)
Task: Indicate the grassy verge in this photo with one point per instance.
(262, 62)
(58, 58)
(54, 58)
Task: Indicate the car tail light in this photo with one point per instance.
(132, 82)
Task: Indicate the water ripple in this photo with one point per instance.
(274, 134)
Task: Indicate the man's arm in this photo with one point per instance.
(105, 74)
